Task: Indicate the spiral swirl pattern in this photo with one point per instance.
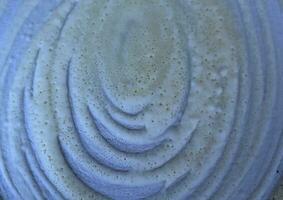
(141, 99)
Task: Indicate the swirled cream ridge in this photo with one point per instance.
(140, 99)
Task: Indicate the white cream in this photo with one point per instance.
(139, 99)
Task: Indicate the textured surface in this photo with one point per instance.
(141, 99)
(278, 192)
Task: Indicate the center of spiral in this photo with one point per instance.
(137, 46)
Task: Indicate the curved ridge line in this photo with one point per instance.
(134, 112)
(65, 21)
(12, 67)
(120, 143)
(124, 121)
(26, 105)
(112, 190)
(263, 41)
(28, 180)
(220, 184)
(263, 99)
(93, 152)
(34, 68)
(4, 174)
(194, 190)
